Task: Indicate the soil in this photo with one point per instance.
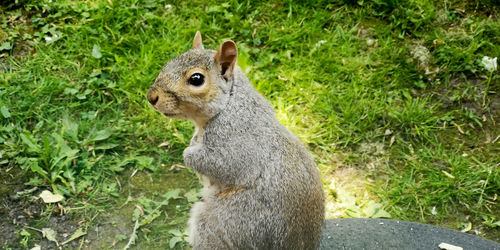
(107, 227)
(21, 209)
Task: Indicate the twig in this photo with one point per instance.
(119, 184)
(129, 198)
(132, 236)
(28, 191)
(133, 173)
(32, 228)
(496, 139)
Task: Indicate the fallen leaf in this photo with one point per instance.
(447, 246)
(36, 247)
(49, 197)
(175, 166)
(163, 144)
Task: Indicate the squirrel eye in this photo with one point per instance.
(196, 79)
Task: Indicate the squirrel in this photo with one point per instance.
(261, 186)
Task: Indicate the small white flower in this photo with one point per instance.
(489, 63)
(168, 6)
(320, 43)
(48, 38)
(433, 211)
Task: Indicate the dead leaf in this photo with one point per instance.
(36, 247)
(448, 174)
(393, 138)
(175, 166)
(27, 191)
(458, 128)
(49, 197)
(163, 144)
(140, 209)
(61, 209)
(447, 246)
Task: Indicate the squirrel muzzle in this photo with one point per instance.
(152, 96)
(163, 101)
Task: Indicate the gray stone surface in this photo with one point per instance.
(392, 234)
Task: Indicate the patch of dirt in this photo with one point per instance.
(471, 93)
(114, 229)
(347, 190)
(18, 22)
(20, 209)
(347, 183)
(113, 232)
(478, 8)
(462, 218)
(107, 226)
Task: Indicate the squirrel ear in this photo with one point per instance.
(226, 57)
(197, 42)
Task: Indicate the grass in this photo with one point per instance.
(390, 89)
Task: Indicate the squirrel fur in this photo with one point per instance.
(261, 187)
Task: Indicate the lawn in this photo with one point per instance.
(393, 99)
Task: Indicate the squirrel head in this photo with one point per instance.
(196, 84)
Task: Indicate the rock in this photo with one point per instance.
(394, 234)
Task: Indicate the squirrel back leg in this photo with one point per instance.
(226, 221)
(208, 229)
(203, 233)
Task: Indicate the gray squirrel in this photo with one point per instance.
(261, 187)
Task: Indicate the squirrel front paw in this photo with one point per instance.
(192, 150)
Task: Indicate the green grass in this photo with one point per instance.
(391, 88)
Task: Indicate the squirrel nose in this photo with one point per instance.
(152, 96)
